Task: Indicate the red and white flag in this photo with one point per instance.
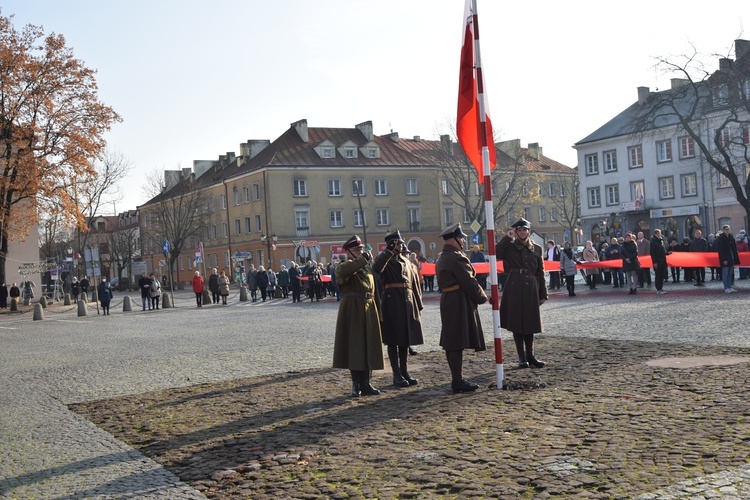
(473, 125)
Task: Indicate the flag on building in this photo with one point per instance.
(473, 125)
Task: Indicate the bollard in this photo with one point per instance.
(166, 301)
(127, 306)
(82, 309)
(67, 300)
(14, 304)
(206, 297)
(26, 301)
(43, 302)
(38, 312)
(84, 297)
(243, 294)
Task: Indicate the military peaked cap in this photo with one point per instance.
(353, 242)
(453, 231)
(521, 223)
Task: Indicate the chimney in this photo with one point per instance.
(417, 138)
(366, 129)
(725, 65)
(392, 136)
(643, 93)
(741, 49)
(171, 179)
(678, 82)
(200, 167)
(251, 148)
(511, 148)
(301, 128)
(535, 151)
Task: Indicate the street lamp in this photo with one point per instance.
(274, 238)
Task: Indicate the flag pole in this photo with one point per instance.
(484, 140)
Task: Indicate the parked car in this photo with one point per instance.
(118, 284)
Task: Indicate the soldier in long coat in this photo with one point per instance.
(461, 294)
(358, 343)
(524, 292)
(400, 306)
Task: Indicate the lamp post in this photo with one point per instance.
(274, 238)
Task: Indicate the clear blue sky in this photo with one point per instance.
(194, 79)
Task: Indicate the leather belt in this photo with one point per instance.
(451, 288)
(361, 295)
(518, 271)
(397, 285)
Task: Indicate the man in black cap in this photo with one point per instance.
(461, 294)
(524, 292)
(358, 344)
(400, 304)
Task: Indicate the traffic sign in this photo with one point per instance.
(166, 247)
(476, 239)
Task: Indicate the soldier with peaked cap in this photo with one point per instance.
(358, 344)
(524, 292)
(461, 294)
(400, 306)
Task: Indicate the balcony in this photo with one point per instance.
(303, 232)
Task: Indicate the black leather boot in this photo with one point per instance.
(463, 386)
(535, 363)
(356, 388)
(393, 357)
(364, 385)
(408, 378)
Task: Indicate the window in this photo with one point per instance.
(552, 188)
(381, 187)
(327, 152)
(721, 94)
(689, 185)
(223, 202)
(635, 154)
(302, 219)
(663, 151)
(212, 204)
(613, 194)
(447, 189)
(216, 260)
(349, 153)
(360, 217)
(236, 196)
(213, 232)
(722, 136)
(466, 217)
(527, 213)
(237, 226)
(257, 223)
(744, 135)
(594, 196)
(256, 191)
(448, 215)
(411, 187)
(358, 185)
(592, 164)
(687, 147)
(224, 230)
(524, 190)
(610, 161)
(248, 225)
(337, 218)
(553, 214)
(300, 187)
(542, 214)
(381, 215)
(412, 215)
(540, 189)
(562, 189)
(666, 188)
(245, 194)
(334, 187)
(372, 153)
(724, 181)
(637, 191)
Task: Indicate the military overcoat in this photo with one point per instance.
(462, 327)
(358, 344)
(524, 286)
(401, 299)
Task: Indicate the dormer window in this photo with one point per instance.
(371, 152)
(349, 152)
(327, 152)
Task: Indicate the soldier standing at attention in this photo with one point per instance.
(358, 345)
(461, 294)
(525, 290)
(400, 306)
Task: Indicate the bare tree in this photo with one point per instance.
(566, 200)
(711, 108)
(123, 247)
(177, 214)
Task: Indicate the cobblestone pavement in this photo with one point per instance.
(238, 400)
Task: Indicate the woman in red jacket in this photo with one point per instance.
(198, 286)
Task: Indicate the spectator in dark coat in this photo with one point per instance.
(726, 247)
(104, 291)
(658, 260)
(699, 244)
(261, 279)
(213, 286)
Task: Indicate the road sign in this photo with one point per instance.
(476, 239)
(166, 247)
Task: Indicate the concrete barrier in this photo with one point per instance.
(38, 312)
(127, 304)
(82, 309)
(43, 302)
(166, 301)
(14, 304)
(243, 294)
(67, 300)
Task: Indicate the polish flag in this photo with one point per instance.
(473, 126)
